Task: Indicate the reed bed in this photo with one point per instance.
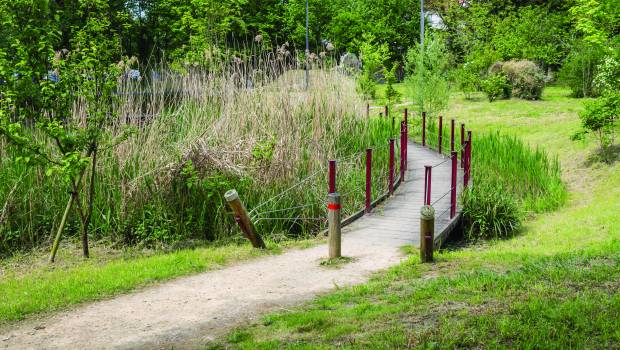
(192, 136)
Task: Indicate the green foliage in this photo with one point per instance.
(428, 69)
(600, 117)
(373, 57)
(496, 86)
(580, 68)
(509, 179)
(468, 79)
(391, 94)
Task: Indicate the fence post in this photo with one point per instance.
(391, 174)
(451, 136)
(368, 179)
(403, 149)
(463, 145)
(406, 135)
(243, 219)
(386, 110)
(423, 128)
(440, 137)
(332, 176)
(367, 110)
(333, 218)
(427, 233)
(427, 184)
(453, 185)
(468, 156)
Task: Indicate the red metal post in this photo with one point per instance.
(453, 184)
(391, 174)
(423, 128)
(440, 136)
(465, 165)
(462, 145)
(332, 176)
(468, 156)
(406, 136)
(451, 136)
(403, 149)
(427, 184)
(368, 179)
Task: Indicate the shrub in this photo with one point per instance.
(599, 117)
(468, 79)
(496, 86)
(526, 78)
(508, 180)
(391, 94)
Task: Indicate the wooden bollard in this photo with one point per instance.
(427, 233)
(333, 218)
(243, 219)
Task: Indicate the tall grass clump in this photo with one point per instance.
(247, 124)
(509, 180)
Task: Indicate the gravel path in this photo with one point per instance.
(188, 312)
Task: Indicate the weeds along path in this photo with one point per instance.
(188, 312)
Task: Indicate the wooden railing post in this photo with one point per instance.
(391, 168)
(453, 185)
(367, 110)
(368, 179)
(386, 111)
(333, 218)
(243, 219)
(427, 233)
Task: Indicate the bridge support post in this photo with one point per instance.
(428, 179)
(332, 176)
(462, 145)
(453, 186)
(403, 150)
(391, 170)
(368, 179)
(406, 136)
(243, 219)
(451, 136)
(333, 218)
(423, 128)
(440, 135)
(427, 233)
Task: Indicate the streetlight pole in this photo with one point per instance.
(307, 47)
(421, 22)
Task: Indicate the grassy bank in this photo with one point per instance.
(555, 285)
(29, 285)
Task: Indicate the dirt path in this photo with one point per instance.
(190, 311)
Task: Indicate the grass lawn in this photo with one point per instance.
(29, 285)
(554, 285)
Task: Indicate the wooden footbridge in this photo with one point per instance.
(189, 312)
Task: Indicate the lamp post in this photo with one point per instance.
(421, 22)
(307, 47)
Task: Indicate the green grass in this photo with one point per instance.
(556, 285)
(30, 286)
